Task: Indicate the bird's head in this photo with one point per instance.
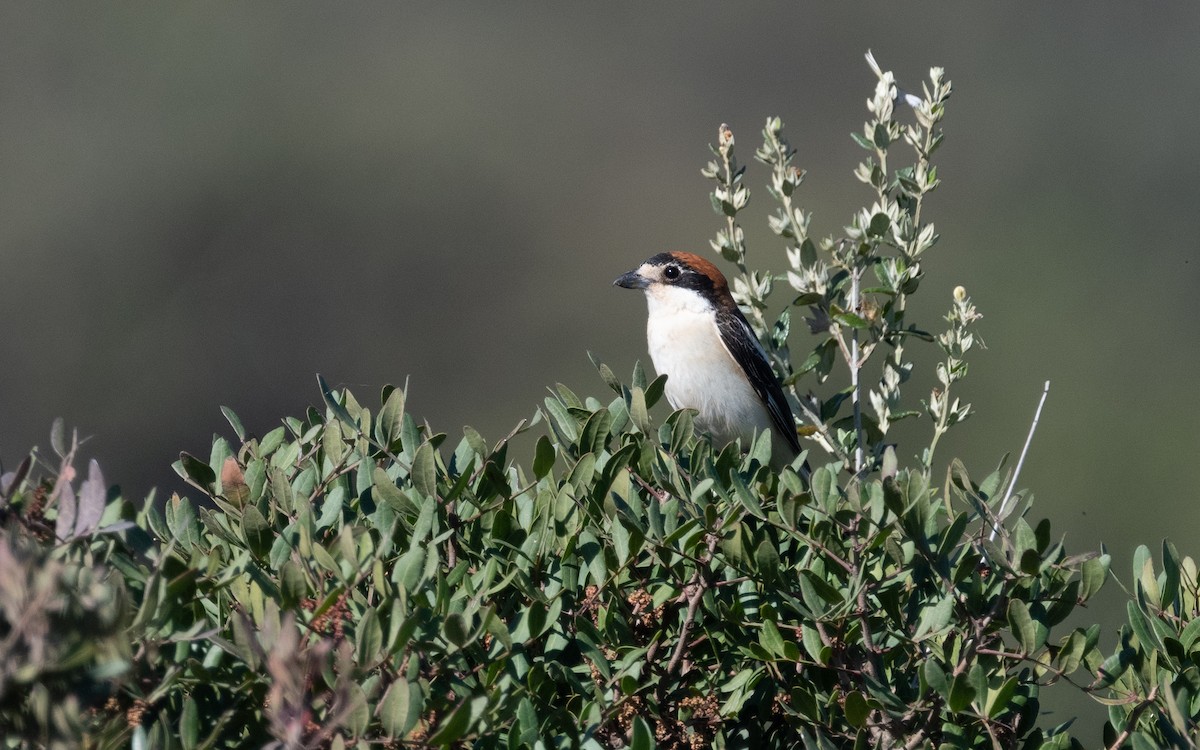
(680, 280)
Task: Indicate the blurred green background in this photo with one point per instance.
(207, 204)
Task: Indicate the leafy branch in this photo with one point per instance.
(352, 578)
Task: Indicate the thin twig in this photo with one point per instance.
(1055, 672)
(1134, 716)
(698, 585)
(832, 556)
(917, 739)
(872, 666)
(660, 495)
(1021, 461)
(693, 604)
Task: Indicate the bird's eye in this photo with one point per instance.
(671, 272)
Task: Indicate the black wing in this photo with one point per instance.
(743, 346)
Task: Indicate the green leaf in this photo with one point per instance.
(638, 411)
(817, 593)
(1026, 541)
(475, 441)
(808, 254)
(543, 457)
(395, 711)
(385, 490)
(1112, 668)
(595, 432)
(1170, 583)
(293, 582)
(180, 518)
(935, 678)
(424, 471)
(196, 471)
(527, 721)
(244, 641)
(961, 693)
(856, 708)
(745, 496)
(257, 532)
(1145, 632)
(654, 391)
(850, 320)
(410, 435)
(1022, 626)
(862, 140)
(425, 521)
(234, 422)
(271, 441)
(459, 721)
(979, 681)
(335, 407)
(592, 555)
(455, 629)
(358, 713)
(638, 380)
(642, 739)
(1042, 534)
(606, 374)
(683, 428)
(1144, 741)
(960, 477)
(771, 639)
(1141, 556)
(1094, 573)
(760, 449)
(369, 637)
(1144, 574)
(389, 426)
(409, 568)
(498, 629)
(620, 542)
(766, 558)
(790, 503)
(1030, 562)
(189, 724)
(1072, 651)
(325, 560)
(582, 472)
(1190, 635)
(565, 428)
(1061, 608)
(824, 487)
(934, 619)
(281, 489)
(813, 644)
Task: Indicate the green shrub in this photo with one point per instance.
(352, 578)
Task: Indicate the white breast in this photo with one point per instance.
(686, 346)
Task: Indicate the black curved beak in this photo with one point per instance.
(632, 280)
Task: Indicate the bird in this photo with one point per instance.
(714, 363)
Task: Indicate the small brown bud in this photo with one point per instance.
(724, 137)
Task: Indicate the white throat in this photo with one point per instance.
(666, 300)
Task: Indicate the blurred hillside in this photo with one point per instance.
(204, 206)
